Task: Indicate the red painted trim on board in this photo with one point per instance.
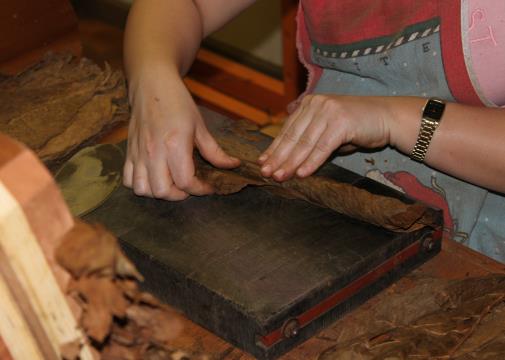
(348, 291)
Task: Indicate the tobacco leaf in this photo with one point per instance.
(71, 350)
(438, 319)
(383, 211)
(119, 320)
(93, 250)
(97, 169)
(103, 301)
(60, 104)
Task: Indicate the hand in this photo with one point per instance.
(164, 128)
(321, 125)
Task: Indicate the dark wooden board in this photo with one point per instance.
(242, 265)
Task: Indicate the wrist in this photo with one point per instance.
(152, 76)
(405, 122)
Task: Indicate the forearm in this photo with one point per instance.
(161, 33)
(167, 33)
(468, 144)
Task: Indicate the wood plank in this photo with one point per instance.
(258, 94)
(33, 219)
(240, 109)
(19, 314)
(243, 72)
(35, 192)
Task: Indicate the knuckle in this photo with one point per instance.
(330, 105)
(139, 190)
(149, 145)
(139, 185)
(306, 141)
(307, 99)
(184, 183)
(171, 142)
(317, 99)
(161, 192)
(127, 182)
(324, 146)
(290, 135)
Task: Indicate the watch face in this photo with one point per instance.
(434, 109)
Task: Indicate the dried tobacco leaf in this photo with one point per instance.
(60, 103)
(98, 170)
(459, 319)
(346, 199)
(103, 301)
(93, 250)
(120, 321)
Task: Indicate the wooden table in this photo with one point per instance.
(454, 262)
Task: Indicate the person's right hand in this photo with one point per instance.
(165, 126)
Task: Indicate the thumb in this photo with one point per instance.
(211, 151)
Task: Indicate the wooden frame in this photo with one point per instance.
(243, 91)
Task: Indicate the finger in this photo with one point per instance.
(128, 173)
(140, 181)
(301, 151)
(287, 124)
(347, 149)
(287, 142)
(181, 166)
(161, 183)
(129, 165)
(321, 151)
(211, 151)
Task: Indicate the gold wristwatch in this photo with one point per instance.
(432, 115)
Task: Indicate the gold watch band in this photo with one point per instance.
(432, 115)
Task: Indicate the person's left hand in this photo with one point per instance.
(321, 125)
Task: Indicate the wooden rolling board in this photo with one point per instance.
(251, 265)
(36, 317)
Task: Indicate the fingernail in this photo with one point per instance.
(262, 157)
(279, 173)
(265, 170)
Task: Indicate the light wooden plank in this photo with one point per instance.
(35, 276)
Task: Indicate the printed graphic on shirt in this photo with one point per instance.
(380, 44)
(406, 64)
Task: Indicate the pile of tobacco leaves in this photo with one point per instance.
(60, 104)
(437, 319)
(119, 320)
